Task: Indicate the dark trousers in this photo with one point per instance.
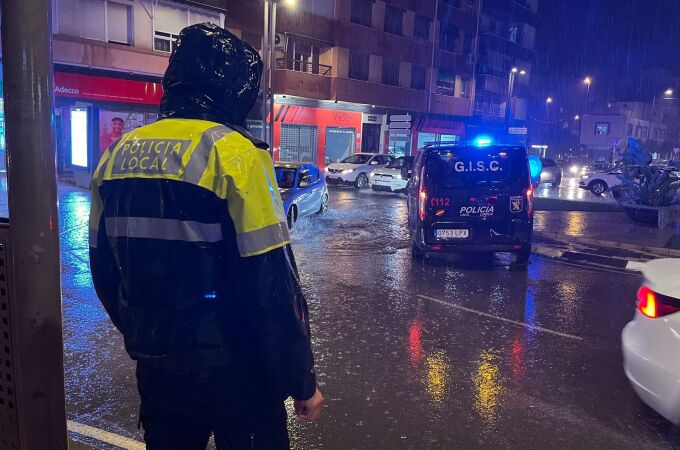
(181, 410)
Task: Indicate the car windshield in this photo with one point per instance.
(473, 167)
(397, 163)
(285, 177)
(357, 159)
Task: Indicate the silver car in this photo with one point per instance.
(552, 172)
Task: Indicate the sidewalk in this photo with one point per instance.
(606, 228)
(602, 239)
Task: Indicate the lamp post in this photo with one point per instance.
(269, 59)
(667, 95)
(511, 86)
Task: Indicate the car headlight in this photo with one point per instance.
(326, 169)
(348, 171)
(573, 169)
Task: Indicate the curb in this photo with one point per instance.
(588, 258)
(661, 251)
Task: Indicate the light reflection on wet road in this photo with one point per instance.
(398, 370)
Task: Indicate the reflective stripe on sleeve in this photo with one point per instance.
(199, 158)
(165, 229)
(92, 237)
(261, 241)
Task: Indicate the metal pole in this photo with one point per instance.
(508, 111)
(272, 74)
(34, 279)
(473, 94)
(265, 73)
(434, 43)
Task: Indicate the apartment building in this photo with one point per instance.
(507, 39)
(604, 136)
(344, 69)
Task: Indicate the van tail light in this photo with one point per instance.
(654, 305)
(530, 200)
(422, 201)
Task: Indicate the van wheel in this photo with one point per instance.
(361, 181)
(522, 257)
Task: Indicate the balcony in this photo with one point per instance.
(303, 66)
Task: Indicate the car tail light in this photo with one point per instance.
(422, 201)
(530, 200)
(654, 305)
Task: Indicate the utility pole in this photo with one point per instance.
(32, 415)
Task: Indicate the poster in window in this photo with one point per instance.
(113, 124)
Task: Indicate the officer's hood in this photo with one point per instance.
(212, 75)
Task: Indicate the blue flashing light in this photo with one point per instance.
(482, 141)
(210, 295)
(535, 168)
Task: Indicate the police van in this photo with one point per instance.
(471, 198)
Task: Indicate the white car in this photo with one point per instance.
(651, 342)
(354, 170)
(599, 183)
(390, 178)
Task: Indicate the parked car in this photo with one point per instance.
(651, 341)
(303, 190)
(390, 178)
(552, 172)
(574, 167)
(354, 170)
(599, 183)
(598, 167)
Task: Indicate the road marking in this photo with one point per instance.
(636, 265)
(105, 436)
(502, 319)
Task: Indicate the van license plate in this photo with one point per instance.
(452, 234)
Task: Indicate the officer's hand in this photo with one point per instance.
(309, 410)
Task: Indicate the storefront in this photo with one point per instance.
(92, 111)
(315, 135)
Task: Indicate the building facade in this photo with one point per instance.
(507, 39)
(347, 71)
(604, 136)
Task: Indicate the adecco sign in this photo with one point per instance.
(105, 88)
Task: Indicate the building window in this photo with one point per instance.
(91, 19)
(446, 81)
(602, 128)
(169, 20)
(358, 65)
(394, 20)
(164, 42)
(630, 129)
(119, 17)
(418, 78)
(390, 72)
(421, 29)
(362, 12)
(448, 37)
(513, 33)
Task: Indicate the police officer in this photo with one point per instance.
(190, 256)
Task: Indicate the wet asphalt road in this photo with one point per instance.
(410, 355)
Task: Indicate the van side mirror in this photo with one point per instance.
(406, 173)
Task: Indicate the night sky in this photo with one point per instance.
(612, 40)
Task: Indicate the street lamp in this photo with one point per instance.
(667, 95)
(269, 59)
(549, 100)
(577, 117)
(511, 85)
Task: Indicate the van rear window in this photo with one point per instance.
(464, 167)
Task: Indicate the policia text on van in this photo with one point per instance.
(471, 198)
(190, 256)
